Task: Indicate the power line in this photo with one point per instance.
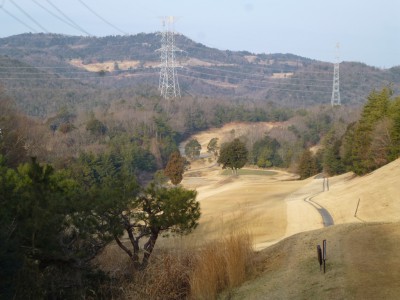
(68, 19)
(257, 80)
(53, 14)
(260, 87)
(76, 78)
(259, 75)
(29, 16)
(17, 19)
(101, 18)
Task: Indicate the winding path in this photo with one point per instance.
(303, 213)
(326, 216)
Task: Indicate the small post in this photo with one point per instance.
(319, 253)
(358, 203)
(324, 252)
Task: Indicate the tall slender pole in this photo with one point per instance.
(168, 84)
(335, 100)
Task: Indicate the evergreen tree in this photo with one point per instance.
(374, 110)
(192, 149)
(233, 155)
(331, 160)
(308, 165)
(213, 147)
(265, 153)
(175, 167)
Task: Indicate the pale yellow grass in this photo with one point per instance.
(127, 64)
(228, 203)
(378, 192)
(106, 66)
(234, 130)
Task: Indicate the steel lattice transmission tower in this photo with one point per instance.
(335, 100)
(168, 85)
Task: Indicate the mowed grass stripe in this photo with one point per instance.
(250, 172)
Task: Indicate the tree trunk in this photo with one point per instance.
(149, 246)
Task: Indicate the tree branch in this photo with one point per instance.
(129, 252)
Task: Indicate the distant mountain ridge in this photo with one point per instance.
(70, 62)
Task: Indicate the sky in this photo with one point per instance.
(368, 31)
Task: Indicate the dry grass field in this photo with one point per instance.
(362, 263)
(364, 252)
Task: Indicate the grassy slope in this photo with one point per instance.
(363, 252)
(362, 263)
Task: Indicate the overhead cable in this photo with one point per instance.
(17, 19)
(68, 19)
(258, 86)
(101, 18)
(53, 14)
(29, 16)
(257, 80)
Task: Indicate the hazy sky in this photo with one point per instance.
(368, 30)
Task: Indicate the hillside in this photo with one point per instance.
(121, 64)
(363, 252)
(378, 194)
(362, 263)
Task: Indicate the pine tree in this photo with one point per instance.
(308, 165)
(175, 167)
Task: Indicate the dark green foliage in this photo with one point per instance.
(195, 120)
(265, 153)
(213, 147)
(138, 159)
(308, 165)
(371, 142)
(154, 211)
(233, 155)
(235, 113)
(362, 155)
(192, 149)
(166, 137)
(394, 115)
(45, 232)
(331, 160)
(120, 205)
(318, 124)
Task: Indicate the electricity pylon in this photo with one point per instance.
(335, 100)
(168, 85)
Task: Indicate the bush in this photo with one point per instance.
(96, 127)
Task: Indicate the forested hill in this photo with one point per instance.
(72, 69)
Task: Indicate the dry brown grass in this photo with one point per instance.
(362, 263)
(183, 272)
(166, 277)
(221, 265)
